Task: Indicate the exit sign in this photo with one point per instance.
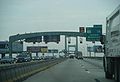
(94, 33)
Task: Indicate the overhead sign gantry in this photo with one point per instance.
(92, 34)
(46, 36)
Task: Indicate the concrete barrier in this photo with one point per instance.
(21, 71)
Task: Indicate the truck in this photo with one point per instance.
(111, 42)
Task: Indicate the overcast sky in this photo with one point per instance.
(20, 16)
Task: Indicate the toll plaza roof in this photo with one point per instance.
(29, 35)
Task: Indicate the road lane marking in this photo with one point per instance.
(87, 71)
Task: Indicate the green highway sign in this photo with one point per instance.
(93, 37)
(93, 33)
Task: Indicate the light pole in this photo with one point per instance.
(87, 49)
(94, 49)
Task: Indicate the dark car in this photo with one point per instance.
(7, 59)
(79, 55)
(71, 56)
(35, 58)
(23, 58)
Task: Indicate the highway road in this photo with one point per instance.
(72, 70)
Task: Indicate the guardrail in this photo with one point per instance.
(19, 72)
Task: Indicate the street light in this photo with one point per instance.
(87, 49)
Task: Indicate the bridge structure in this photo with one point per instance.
(27, 36)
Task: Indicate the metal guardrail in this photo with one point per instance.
(19, 72)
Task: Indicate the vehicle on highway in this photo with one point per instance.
(36, 58)
(23, 57)
(79, 55)
(49, 57)
(111, 43)
(7, 59)
(71, 56)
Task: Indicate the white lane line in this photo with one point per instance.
(87, 71)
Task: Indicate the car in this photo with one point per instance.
(71, 56)
(7, 59)
(79, 55)
(23, 58)
(35, 58)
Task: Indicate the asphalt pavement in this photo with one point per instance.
(71, 70)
